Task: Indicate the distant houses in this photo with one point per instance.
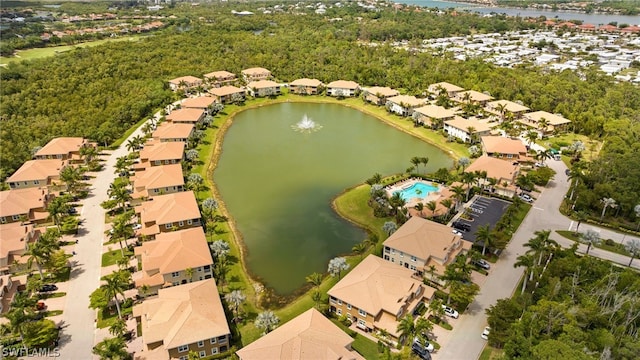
(185, 83)
(305, 86)
(343, 88)
(36, 173)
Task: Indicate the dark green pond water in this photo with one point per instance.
(278, 183)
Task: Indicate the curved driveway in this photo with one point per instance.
(465, 342)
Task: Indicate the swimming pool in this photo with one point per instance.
(416, 190)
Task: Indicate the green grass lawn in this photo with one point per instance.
(608, 244)
(112, 257)
(38, 53)
(363, 345)
(490, 353)
(108, 316)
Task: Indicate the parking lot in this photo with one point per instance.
(483, 211)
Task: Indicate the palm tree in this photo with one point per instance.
(118, 327)
(122, 165)
(424, 161)
(432, 271)
(359, 249)
(607, 203)
(40, 251)
(591, 238)
(459, 194)
(58, 207)
(527, 262)
(267, 321)
(209, 207)
(115, 284)
(375, 179)
(236, 298)
(21, 311)
(543, 124)
(531, 136)
(581, 216)
(88, 153)
(111, 349)
(472, 134)
(71, 177)
(543, 155)
(447, 203)
(419, 206)
(147, 128)
(336, 265)
(416, 161)
(502, 109)
(389, 227)
(314, 279)
(121, 229)
(463, 162)
(191, 155)
(432, 205)
(406, 328)
(633, 246)
(468, 178)
(119, 192)
(188, 272)
(484, 234)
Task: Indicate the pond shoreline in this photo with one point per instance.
(212, 162)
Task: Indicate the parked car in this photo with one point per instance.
(72, 210)
(526, 197)
(461, 226)
(421, 352)
(456, 232)
(482, 263)
(450, 312)
(427, 346)
(137, 226)
(40, 305)
(48, 288)
(485, 333)
(539, 164)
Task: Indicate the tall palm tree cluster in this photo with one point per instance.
(541, 250)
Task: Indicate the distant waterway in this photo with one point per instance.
(564, 15)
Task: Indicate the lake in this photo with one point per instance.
(588, 18)
(278, 183)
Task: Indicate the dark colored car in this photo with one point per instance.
(48, 288)
(420, 351)
(461, 226)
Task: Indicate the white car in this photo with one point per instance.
(417, 343)
(456, 232)
(485, 333)
(526, 197)
(137, 226)
(450, 312)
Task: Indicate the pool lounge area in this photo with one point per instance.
(415, 190)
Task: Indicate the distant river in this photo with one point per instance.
(588, 18)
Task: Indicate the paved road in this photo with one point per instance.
(77, 337)
(465, 342)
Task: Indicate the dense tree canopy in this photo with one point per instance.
(100, 92)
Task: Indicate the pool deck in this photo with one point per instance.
(404, 184)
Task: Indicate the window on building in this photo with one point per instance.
(362, 312)
(168, 226)
(214, 351)
(181, 223)
(222, 339)
(213, 340)
(348, 306)
(207, 268)
(15, 217)
(413, 258)
(3, 219)
(183, 348)
(36, 182)
(203, 354)
(339, 311)
(175, 274)
(200, 343)
(189, 222)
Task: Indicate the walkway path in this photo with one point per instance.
(465, 341)
(77, 336)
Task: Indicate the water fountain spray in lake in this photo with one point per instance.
(306, 125)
